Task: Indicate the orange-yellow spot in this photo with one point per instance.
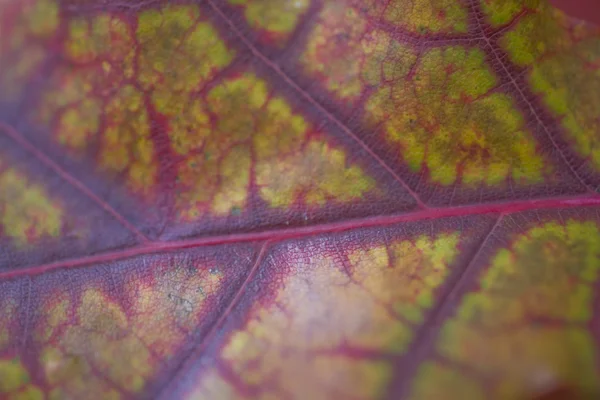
(527, 319)
(94, 346)
(277, 17)
(27, 212)
(15, 382)
(372, 304)
(446, 124)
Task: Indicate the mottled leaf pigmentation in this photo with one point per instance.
(298, 199)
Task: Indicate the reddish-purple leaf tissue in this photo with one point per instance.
(298, 199)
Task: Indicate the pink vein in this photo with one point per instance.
(270, 64)
(275, 235)
(213, 330)
(426, 334)
(17, 137)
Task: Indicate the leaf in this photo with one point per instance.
(298, 199)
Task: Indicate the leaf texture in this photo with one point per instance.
(256, 199)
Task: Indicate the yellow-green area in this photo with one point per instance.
(422, 257)
(445, 121)
(534, 36)
(249, 119)
(563, 69)
(106, 38)
(91, 345)
(41, 17)
(126, 143)
(501, 12)
(178, 50)
(356, 304)
(420, 16)
(27, 211)
(15, 381)
(527, 319)
(278, 17)
(222, 128)
(96, 99)
(347, 56)
(435, 381)
(569, 88)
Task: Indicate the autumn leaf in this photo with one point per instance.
(298, 199)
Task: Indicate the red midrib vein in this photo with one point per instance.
(290, 82)
(48, 162)
(276, 235)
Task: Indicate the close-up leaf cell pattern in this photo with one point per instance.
(298, 199)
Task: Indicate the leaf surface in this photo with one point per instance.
(253, 199)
